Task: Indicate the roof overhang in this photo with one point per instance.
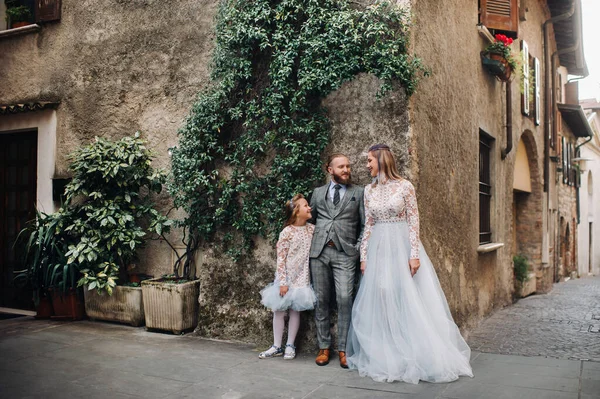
(568, 33)
(590, 104)
(7, 109)
(575, 117)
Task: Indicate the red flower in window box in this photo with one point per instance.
(499, 53)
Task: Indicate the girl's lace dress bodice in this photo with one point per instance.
(293, 248)
(390, 202)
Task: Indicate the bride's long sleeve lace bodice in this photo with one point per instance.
(393, 201)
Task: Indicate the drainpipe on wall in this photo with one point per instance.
(578, 155)
(509, 140)
(549, 92)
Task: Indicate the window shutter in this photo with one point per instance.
(47, 10)
(525, 76)
(572, 169)
(569, 168)
(500, 14)
(536, 66)
(565, 171)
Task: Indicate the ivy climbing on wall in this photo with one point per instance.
(257, 134)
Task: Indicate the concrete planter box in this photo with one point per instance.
(528, 286)
(171, 306)
(125, 305)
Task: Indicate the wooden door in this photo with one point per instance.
(18, 175)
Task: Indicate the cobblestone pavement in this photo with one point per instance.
(563, 324)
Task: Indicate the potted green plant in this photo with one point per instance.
(497, 58)
(110, 197)
(54, 282)
(171, 301)
(18, 16)
(524, 279)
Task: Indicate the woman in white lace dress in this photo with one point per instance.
(402, 329)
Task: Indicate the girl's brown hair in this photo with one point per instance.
(291, 209)
(385, 162)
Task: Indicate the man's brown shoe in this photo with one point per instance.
(343, 363)
(322, 357)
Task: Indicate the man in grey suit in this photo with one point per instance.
(339, 217)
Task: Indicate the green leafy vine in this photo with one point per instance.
(256, 135)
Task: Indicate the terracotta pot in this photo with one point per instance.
(67, 306)
(20, 24)
(44, 308)
(134, 278)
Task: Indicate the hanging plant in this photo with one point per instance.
(256, 135)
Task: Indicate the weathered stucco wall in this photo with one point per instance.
(121, 66)
(124, 66)
(115, 67)
(229, 298)
(449, 109)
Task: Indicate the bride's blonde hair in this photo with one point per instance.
(386, 163)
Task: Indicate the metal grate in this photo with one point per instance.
(485, 190)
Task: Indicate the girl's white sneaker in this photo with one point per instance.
(271, 352)
(290, 352)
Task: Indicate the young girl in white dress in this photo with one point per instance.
(291, 288)
(401, 328)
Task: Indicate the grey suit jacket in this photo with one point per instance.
(347, 220)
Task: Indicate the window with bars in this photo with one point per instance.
(485, 187)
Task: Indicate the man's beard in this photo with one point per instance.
(342, 180)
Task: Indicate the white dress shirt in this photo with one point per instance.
(332, 190)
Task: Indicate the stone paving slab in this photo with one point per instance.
(42, 359)
(563, 324)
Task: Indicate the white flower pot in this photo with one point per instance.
(171, 307)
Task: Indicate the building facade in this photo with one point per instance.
(485, 156)
(589, 195)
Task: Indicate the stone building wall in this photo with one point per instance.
(567, 212)
(117, 67)
(446, 114)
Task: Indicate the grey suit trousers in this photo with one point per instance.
(333, 268)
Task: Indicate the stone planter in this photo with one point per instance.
(527, 287)
(125, 305)
(171, 306)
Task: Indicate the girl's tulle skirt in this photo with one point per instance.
(297, 298)
(402, 329)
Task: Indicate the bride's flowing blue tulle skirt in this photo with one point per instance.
(402, 329)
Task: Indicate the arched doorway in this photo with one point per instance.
(527, 210)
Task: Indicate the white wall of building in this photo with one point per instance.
(45, 123)
(589, 195)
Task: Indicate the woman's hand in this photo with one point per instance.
(414, 265)
(283, 289)
(363, 267)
